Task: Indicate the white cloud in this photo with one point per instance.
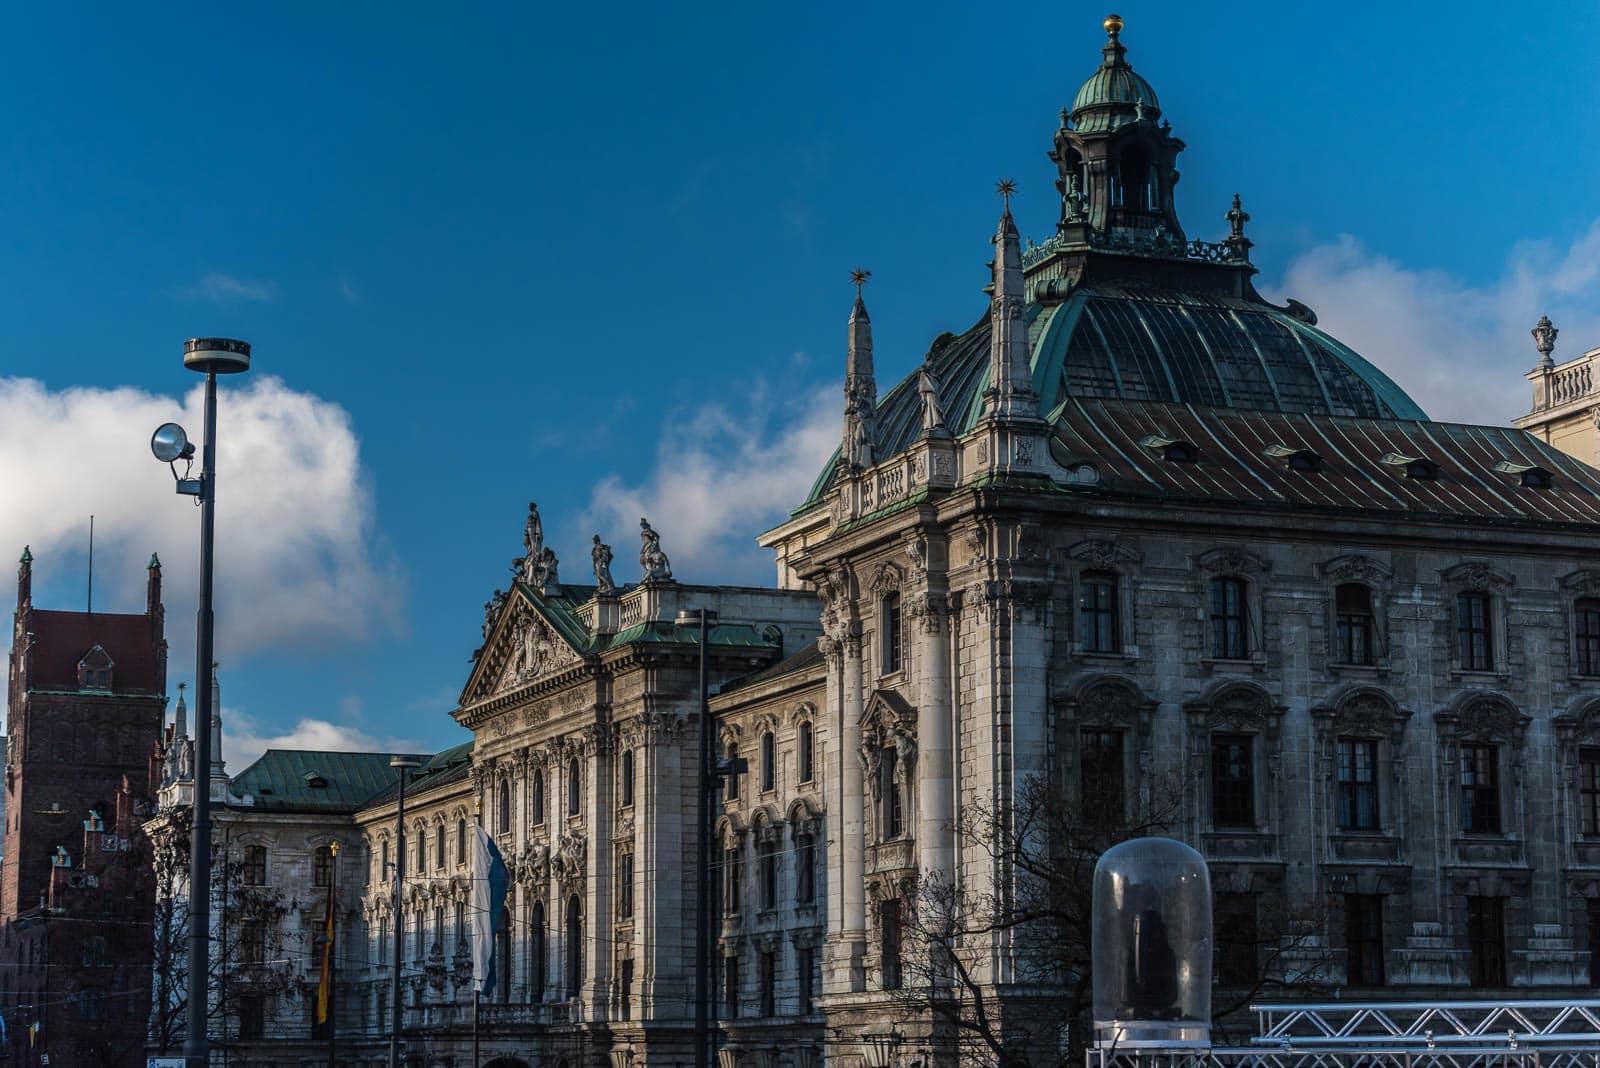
(298, 561)
(1458, 348)
(721, 476)
(244, 739)
(226, 289)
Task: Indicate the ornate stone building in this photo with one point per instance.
(1137, 540)
(1566, 397)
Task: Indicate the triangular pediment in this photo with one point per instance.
(886, 708)
(524, 645)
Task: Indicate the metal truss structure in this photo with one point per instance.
(1414, 1034)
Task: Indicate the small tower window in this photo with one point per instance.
(94, 670)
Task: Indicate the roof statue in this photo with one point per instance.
(601, 555)
(1237, 243)
(932, 414)
(491, 611)
(651, 558)
(533, 535)
(1544, 339)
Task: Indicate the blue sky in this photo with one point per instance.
(597, 256)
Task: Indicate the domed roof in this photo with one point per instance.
(1149, 344)
(1114, 95)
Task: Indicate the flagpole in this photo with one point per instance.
(333, 957)
(477, 987)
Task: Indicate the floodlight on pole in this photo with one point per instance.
(705, 619)
(210, 356)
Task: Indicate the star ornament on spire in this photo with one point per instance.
(1006, 187)
(858, 278)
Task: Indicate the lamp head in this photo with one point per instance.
(216, 355)
(169, 443)
(402, 760)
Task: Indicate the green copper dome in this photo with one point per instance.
(1114, 95)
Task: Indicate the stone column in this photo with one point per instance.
(935, 814)
(599, 924)
(852, 878)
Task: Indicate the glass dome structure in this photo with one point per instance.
(1152, 945)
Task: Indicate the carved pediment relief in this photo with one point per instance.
(1484, 717)
(1110, 701)
(523, 649)
(1231, 705)
(1361, 711)
(886, 710)
(1583, 583)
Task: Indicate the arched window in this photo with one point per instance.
(1230, 619)
(1586, 635)
(322, 866)
(538, 953)
(627, 777)
(505, 806)
(733, 774)
(538, 797)
(807, 767)
(383, 866)
(439, 847)
(574, 788)
(574, 946)
(769, 760)
(461, 841)
(1353, 624)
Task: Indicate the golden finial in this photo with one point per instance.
(1005, 187)
(858, 278)
(1113, 25)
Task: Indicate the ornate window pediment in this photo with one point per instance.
(94, 670)
(1582, 583)
(1232, 560)
(887, 579)
(1355, 567)
(1110, 701)
(1485, 718)
(1236, 707)
(523, 648)
(1362, 712)
(1103, 552)
(1478, 575)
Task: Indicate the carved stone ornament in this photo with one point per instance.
(1356, 568)
(1478, 575)
(917, 553)
(1234, 560)
(1491, 719)
(652, 560)
(1103, 553)
(1110, 701)
(1584, 583)
(1024, 454)
(1240, 706)
(600, 555)
(568, 862)
(533, 651)
(887, 579)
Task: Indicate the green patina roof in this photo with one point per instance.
(1119, 342)
(282, 779)
(727, 635)
(441, 769)
(1109, 99)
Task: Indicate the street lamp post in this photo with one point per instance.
(404, 763)
(210, 356)
(707, 783)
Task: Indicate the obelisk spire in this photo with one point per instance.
(1010, 396)
(860, 386)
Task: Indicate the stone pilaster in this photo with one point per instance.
(936, 814)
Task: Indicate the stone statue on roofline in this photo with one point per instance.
(651, 558)
(932, 413)
(601, 555)
(491, 611)
(532, 537)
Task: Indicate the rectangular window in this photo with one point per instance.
(1589, 789)
(1486, 938)
(805, 891)
(767, 980)
(893, 824)
(255, 865)
(1097, 612)
(1233, 789)
(806, 773)
(1586, 635)
(322, 866)
(624, 885)
(805, 963)
(1358, 785)
(626, 993)
(769, 876)
(1363, 939)
(1352, 606)
(1101, 792)
(731, 877)
(889, 930)
(730, 993)
(1594, 941)
(892, 639)
(1229, 619)
(1480, 790)
(252, 1018)
(1235, 937)
(1474, 648)
(252, 942)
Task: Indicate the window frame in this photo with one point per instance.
(1350, 787)
(504, 823)
(1231, 636)
(1589, 794)
(891, 944)
(254, 869)
(769, 761)
(891, 647)
(322, 867)
(1349, 623)
(1586, 637)
(1365, 963)
(574, 789)
(625, 775)
(1485, 930)
(1097, 801)
(537, 801)
(807, 752)
(1479, 657)
(1243, 794)
(1481, 802)
(1099, 626)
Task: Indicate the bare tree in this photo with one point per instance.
(1039, 914)
(251, 954)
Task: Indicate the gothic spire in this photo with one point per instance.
(860, 386)
(1010, 394)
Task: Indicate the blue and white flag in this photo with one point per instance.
(489, 882)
